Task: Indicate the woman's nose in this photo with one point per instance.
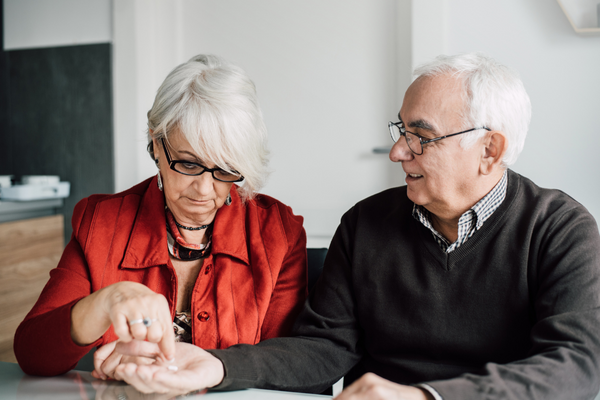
(205, 183)
(400, 151)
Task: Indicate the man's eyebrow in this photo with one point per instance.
(421, 124)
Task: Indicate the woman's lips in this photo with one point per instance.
(198, 201)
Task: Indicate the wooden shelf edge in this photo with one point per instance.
(587, 31)
(581, 31)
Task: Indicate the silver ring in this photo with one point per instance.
(146, 321)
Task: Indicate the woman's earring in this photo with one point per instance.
(159, 181)
(228, 199)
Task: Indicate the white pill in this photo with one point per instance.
(172, 368)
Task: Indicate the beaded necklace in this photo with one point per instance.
(179, 248)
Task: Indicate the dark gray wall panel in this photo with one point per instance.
(60, 118)
(5, 138)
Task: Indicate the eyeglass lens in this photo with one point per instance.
(196, 169)
(412, 140)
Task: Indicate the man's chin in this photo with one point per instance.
(414, 196)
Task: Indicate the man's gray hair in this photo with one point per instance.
(494, 97)
(214, 105)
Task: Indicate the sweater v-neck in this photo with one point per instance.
(448, 261)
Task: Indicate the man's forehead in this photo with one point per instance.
(436, 87)
(430, 100)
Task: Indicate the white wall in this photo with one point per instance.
(329, 77)
(286, 47)
(428, 33)
(561, 72)
(45, 23)
(326, 78)
(147, 45)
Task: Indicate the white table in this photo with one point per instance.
(79, 385)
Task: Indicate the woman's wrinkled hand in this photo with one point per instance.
(135, 312)
(107, 358)
(193, 368)
(112, 390)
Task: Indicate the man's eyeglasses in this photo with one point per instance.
(194, 169)
(415, 142)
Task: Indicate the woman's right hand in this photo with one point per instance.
(134, 311)
(194, 369)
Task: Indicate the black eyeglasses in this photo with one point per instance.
(194, 169)
(415, 142)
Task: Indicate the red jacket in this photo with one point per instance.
(252, 286)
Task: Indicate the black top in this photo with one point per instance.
(512, 313)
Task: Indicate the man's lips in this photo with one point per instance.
(414, 176)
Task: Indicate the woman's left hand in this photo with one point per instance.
(113, 390)
(193, 369)
(107, 358)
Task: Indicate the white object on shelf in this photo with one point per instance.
(40, 179)
(35, 192)
(5, 181)
(583, 15)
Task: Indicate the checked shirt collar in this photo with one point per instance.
(471, 221)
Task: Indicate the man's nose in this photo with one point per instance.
(400, 151)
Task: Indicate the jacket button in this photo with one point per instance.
(203, 316)
(207, 270)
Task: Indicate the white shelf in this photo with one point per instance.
(16, 210)
(583, 15)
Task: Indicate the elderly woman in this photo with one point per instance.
(191, 255)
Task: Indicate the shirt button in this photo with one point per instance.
(203, 316)
(207, 270)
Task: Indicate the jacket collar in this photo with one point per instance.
(147, 245)
(229, 232)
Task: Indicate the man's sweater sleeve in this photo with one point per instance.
(325, 341)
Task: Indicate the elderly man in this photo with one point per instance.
(470, 282)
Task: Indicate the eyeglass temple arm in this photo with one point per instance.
(454, 134)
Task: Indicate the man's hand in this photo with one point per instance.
(192, 369)
(373, 387)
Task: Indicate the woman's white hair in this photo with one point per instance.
(214, 105)
(494, 97)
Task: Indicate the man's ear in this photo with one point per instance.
(495, 144)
